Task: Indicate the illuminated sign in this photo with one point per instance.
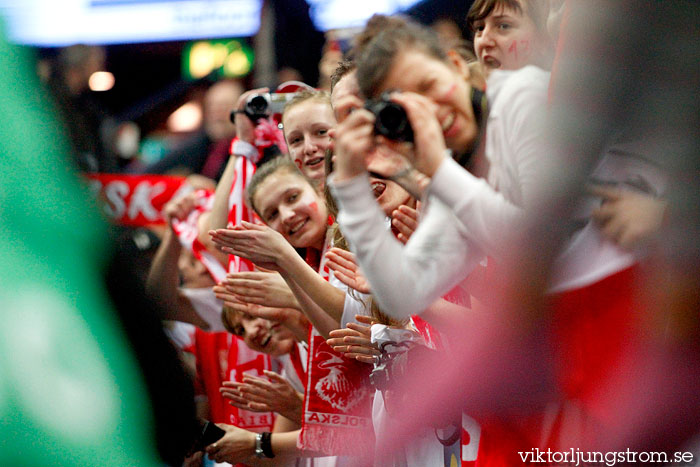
(228, 58)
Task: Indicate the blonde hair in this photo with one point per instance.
(278, 164)
(306, 95)
(231, 319)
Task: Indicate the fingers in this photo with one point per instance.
(353, 138)
(230, 237)
(245, 287)
(429, 140)
(348, 255)
(235, 399)
(418, 108)
(260, 407)
(181, 207)
(247, 275)
(276, 377)
(339, 348)
(339, 269)
(604, 213)
(336, 342)
(256, 227)
(348, 279)
(355, 350)
(223, 294)
(364, 319)
(361, 329)
(231, 384)
(343, 258)
(357, 340)
(341, 333)
(409, 212)
(406, 224)
(348, 105)
(607, 193)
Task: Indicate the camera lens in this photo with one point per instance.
(257, 105)
(392, 122)
(392, 118)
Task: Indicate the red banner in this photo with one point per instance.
(136, 200)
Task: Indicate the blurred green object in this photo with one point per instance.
(226, 58)
(70, 388)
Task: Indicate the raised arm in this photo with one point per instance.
(321, 302)
(405, 279)
(163, 279)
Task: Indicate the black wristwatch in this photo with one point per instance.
(263, 445)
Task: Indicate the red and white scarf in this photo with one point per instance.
(337, 401)
(188, 232)
(222, 357)
(241, 361)
(238, 209)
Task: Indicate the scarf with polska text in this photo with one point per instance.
(337, 401)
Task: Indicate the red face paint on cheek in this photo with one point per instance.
(298, 163)
(314, 206)
(513, 49)
(523, 49)
(449, 92)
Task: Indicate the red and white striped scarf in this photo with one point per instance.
(188, 232)
(337, 401)
(238, 209)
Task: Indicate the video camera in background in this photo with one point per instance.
(265, 105)
(268, 104)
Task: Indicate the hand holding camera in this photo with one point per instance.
(245, 125)
(428, 139)
(391, 120)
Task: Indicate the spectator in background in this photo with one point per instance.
(207, 150)
(82, 113)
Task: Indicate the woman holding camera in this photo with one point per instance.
(465, 217)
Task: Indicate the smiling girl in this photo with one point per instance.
(306, 121)
(296, 217)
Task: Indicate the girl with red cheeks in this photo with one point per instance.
(510, 34)
(296, 217)
(306, 122)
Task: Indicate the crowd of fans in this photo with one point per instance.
(460, 252)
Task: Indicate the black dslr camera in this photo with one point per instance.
(264, 105)
(391, 119)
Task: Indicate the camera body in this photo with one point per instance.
(264, 105)
(391, 119)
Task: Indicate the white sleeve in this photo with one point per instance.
(207, 306)
(524, 159)
(486, 215)
(405, 280)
